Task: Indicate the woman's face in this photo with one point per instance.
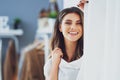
(71, 27)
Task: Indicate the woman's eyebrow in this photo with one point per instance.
(71, 20)
(68, 20)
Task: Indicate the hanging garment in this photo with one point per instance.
(11, 63)
(32, 67)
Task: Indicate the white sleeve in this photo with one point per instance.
(47, 68)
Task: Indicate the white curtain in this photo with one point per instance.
(101, 60)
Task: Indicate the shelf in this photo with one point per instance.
(17, 32)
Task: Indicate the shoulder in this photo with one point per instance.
(47, 67)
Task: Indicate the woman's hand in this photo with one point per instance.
(56, 56)
(82, 3)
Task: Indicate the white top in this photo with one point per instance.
(67, 70)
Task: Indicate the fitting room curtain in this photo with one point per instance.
(101, 60)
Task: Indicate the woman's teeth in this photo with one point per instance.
(73, 33)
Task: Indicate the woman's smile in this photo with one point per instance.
(73, 33)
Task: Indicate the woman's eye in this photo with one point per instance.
(79, 23)
(68, 23)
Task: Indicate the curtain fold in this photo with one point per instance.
(101, 40)
(112, 38)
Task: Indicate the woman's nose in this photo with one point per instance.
(73, 26)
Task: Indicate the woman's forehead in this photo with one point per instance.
(71, 16)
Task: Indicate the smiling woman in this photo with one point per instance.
(66, 45)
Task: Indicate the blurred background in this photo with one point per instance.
(28, 13)
(25, 26)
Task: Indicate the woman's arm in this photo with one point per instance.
(56, 58)
(54, 72)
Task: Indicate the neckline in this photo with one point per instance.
(73, 64)
(71, 61)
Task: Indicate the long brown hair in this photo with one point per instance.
(57, 37)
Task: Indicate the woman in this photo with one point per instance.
(67, 46)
